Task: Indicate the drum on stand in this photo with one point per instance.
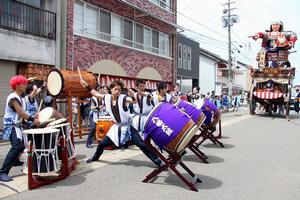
(169, 128)
(194, 111)
(56, 122)
(44, 145)
(65, 131)
(67, 82)
(103, 125)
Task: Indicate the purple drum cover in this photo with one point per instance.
(191, 110)
(164, 124)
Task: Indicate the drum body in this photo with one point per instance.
(169, 128)
(44, 149)
(196, 114)
(66, 82)
(102, 126)
(64, 132)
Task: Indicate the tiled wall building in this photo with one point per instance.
(122, 38)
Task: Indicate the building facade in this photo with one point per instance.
(208, 68)
(187, 63)
(125, 39)
(28, 41)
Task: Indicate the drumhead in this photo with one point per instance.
(56, 122)
(199, 103)
(55, 82)
(45, 114)
(40, 131)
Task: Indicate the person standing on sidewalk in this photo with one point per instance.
(117, 106)
(14, 111)
(97, 110)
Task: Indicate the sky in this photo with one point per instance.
(201, 20)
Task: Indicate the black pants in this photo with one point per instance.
(136, 139)
(17, 147)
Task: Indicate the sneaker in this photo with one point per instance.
(89, 146)
(5, 178)
(91, 159)
(18, 163)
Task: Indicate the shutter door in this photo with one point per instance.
(7, 70)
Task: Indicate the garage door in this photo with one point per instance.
(7, 70)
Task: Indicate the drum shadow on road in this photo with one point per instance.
(211, 159)
(211, 145)
(208, 183)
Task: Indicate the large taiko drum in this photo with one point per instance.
(102, 126)
(195, 113)
(44, 149)
(169, 128)
(67, 82)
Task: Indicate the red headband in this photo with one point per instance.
(17, 80)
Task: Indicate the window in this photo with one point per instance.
(189, 58)
(147, 39)
(105, 25)
(184, 64)
(78, 17)
(94, 22)
(139, 36)
(155, 41)
(166, 4)
(91, 25)
(164, 44)
(179, 55)
(116, 28)
(128, 32)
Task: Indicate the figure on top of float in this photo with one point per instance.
(275, 46)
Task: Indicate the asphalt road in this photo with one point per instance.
(260, 161)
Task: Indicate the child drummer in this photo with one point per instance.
(14, 111)
(117, 106)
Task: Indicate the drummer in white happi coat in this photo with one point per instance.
(117, 106)
(14, 112)
(143, 106)
(161, 94)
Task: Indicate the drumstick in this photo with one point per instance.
(31, 79)
(79, 74)
(40, 105)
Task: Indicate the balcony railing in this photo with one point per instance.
(20, 17)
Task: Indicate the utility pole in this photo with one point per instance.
(228, 20)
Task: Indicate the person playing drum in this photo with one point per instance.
(117, 106)
(97, 110)
(143, 106)
(211, 112)
(31, 105)
(161, 94)
(14, 111)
